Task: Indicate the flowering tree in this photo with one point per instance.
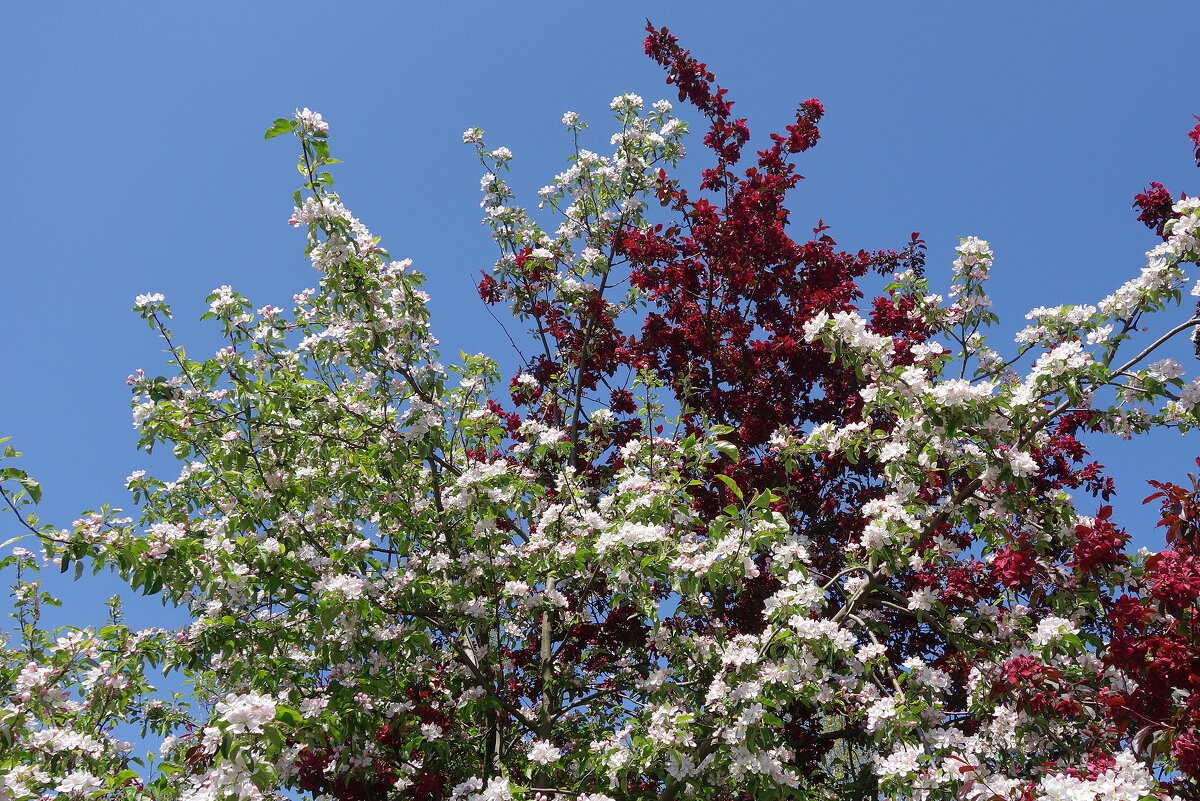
(724, 535)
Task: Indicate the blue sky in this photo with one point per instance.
(136, 161)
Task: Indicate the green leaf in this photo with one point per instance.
(285, 714)
(733, 486)
(726, 449)
(32, 487)
(11, 540)
(762, 500)
(274, 737)
(280, 126)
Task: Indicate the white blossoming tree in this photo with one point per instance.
(402, 586)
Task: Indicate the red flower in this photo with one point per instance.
(1186, 748)
(1194, 135)
(1155, 204)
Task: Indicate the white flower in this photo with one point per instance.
(311, 120)
(1061, 359)
(592, 256)
(462, 789)
(246, 713)
(901, 761)
(879, 711)
(142, 412)
(631, 535)
(1022, 463)
(666, 726)
(210, 739)
(79, 783)
(626, 102)
(958, 392)
(519, 588)
(602, 418)
(851, 330)
(870, 651)
(497, 790)
(543, 752)
(1165, 369)
(144, 301)
(1050, 628)
(1127, 780)
(313, 210)
(973, 249)
(349, 587)
(922, 599)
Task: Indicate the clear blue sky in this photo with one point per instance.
(135, 161)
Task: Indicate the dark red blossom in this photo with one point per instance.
(489, 290)
(1194, 135)
(1174, 578)
(1156, 637)
(1013, 566)
(1021, 669)
(1099, 546)
(1186, 748)
(1155, 205)
(644, 248)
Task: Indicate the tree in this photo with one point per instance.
(727, 537)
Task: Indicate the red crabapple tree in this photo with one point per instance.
(729, 532)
